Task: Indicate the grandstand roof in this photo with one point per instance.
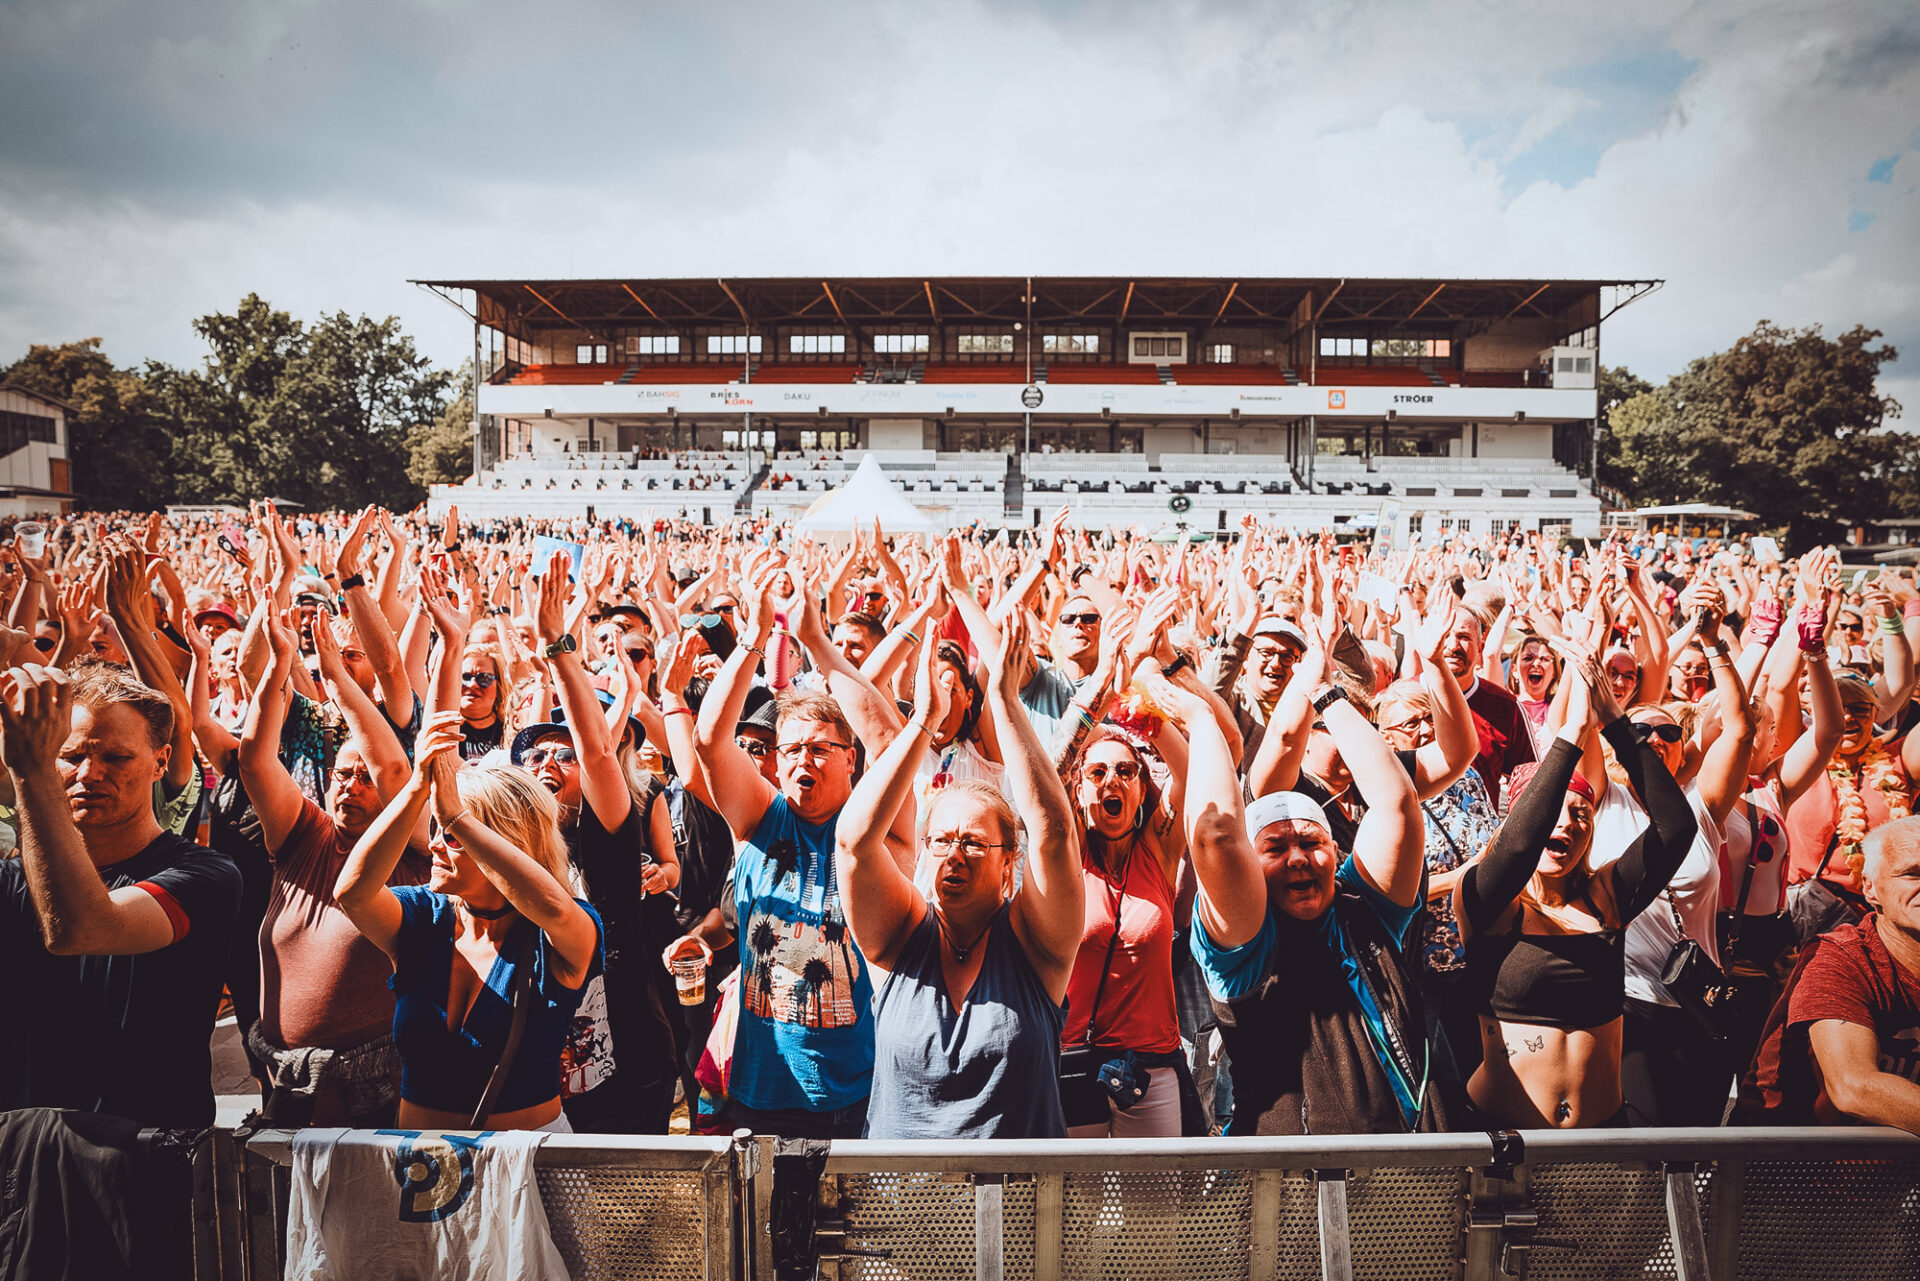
(525, 307)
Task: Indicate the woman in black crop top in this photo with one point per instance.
(1544, 931)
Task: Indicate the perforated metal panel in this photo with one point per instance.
(923, 1223)
(1406, 1225)
(1821, 1220)
(1191, 1225)
(1613, 1218)
(627, 1225)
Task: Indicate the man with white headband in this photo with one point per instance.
(1300, 942)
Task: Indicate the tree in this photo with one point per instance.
(1616, 386)
(1786, 423)
(120, 455)
(321, 416)
(441, 452)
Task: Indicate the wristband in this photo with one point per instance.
(1890, 627)
(677, 711)
(1179, 663)
(1714, 651)
(906, 632)
(1329, 696)
(352, 581)
(1911, 609)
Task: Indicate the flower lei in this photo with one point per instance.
(1879, 770)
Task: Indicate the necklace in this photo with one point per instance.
(489, 913)
(960, 954)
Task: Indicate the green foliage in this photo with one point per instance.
(1786, 423)
(324, 415)
(118, 448)
(441, 452)
(1616, 385)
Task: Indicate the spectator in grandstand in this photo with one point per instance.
(492, 940)
(98, 877)
(1301, 943)
(1544, 929)
(619, 841)
(1843, 1044)
(803, 1055)
(968, 1015)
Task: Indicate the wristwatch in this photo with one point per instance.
(1179, 662)
(565, 645)
(1329, 696)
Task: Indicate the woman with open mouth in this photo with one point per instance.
(1545, 931)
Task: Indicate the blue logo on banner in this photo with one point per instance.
(434, 1171)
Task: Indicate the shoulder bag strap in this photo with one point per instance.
(1753, 870)
(521, 998)
(1112, 943)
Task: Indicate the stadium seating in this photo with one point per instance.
(1372, 376)
(1487, 377)
(1102, 373)
(567, 375)
(807, 372)
(1229, 375)
(982, 372)
(590, 375)
(688, 373)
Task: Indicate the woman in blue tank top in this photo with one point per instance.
(968, 1012)
(495, 901)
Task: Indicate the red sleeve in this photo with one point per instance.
(176, 915)
(1836, 984)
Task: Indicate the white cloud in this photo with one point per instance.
(1345, 140)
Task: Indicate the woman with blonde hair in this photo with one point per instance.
(491, 956)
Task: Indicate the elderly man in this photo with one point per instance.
(115, 930)
(1301, 942)
(1843, 1043)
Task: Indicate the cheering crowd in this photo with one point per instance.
(560, 826)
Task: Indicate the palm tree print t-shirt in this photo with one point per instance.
(806, 998)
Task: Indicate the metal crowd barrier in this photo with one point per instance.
(1694, 1205)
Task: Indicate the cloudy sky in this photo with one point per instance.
(159, 160)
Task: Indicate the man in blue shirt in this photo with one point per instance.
(1300, 942)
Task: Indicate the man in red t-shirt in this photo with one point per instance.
(1843, 1043)
(1504, 742)
(323, 986)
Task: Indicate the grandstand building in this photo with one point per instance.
(1442, 405)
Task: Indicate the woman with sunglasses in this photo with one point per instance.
(495, 907)
(1866, 784)
(1545, 930)
(967, 1017)
(483, 703)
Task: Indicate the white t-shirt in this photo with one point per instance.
(1651, 936)
(418, 1204)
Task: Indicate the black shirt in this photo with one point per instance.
(125, 1035)
(1343, 827)
(476, 742)
(611, 864)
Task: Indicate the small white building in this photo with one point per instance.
(35, 474)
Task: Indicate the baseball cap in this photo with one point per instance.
(1274, 625)
(1275, 807)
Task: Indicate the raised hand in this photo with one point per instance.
(346, 561)
(550, 618)
(35, 717)
(929, 692)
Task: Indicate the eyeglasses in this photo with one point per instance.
(1081, 620)
(479, 680)
(968, 847)
(1408, 726)
(753, 747)
(1264, 654)
(1124, 771)
(362, 776)
(816, 751)
(541, 755)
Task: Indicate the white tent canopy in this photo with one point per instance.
(1697, 511)
(867, 494)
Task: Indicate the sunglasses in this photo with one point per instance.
(479, 680)
(1667, 733)
(1083, 620)
(44, 644)
(702, 620)
(1853, 627)
(638, 656)
(754, 747)
(541, 755)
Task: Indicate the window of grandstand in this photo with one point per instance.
(901, 344)
(733, 344)
(590, 353)
(985, 344)
(1220, 353)
(1070, 344)
(1505, 526)
(1398, 349)
(1160, 347)
(653, 345)
(1415, 521)
(17, 429)
(1588, 337)
(822, 344)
